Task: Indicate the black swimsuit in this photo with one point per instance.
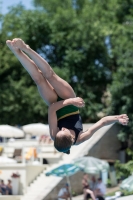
(73, 122)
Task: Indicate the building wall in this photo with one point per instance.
(32, 171)
(108, 146)
(25, 171)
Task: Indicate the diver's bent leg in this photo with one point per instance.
(62, 88)
(45, 89)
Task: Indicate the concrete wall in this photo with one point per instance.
(32, 171)
(107, 147)
(25, 171)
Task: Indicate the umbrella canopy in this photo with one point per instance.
(127, 184)
(4, 160)
(64, 170)
(91, 165)
(36, 129)
(8, 131)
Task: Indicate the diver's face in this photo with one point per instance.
(65, 131)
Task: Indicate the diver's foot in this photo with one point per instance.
(11, 46)
(20, 44)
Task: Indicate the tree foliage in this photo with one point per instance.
(122, 57)
(123, 170)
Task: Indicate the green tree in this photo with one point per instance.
(122, 58)
(123, 170)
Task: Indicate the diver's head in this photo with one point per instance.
(63, 141)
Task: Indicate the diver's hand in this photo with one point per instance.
(123, 119)
(78, 102)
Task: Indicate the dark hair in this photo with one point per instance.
(63, 144)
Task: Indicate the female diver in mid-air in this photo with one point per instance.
(63, 113)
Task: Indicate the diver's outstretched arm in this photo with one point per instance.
(122, 119)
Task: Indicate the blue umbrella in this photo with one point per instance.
(64, 170)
